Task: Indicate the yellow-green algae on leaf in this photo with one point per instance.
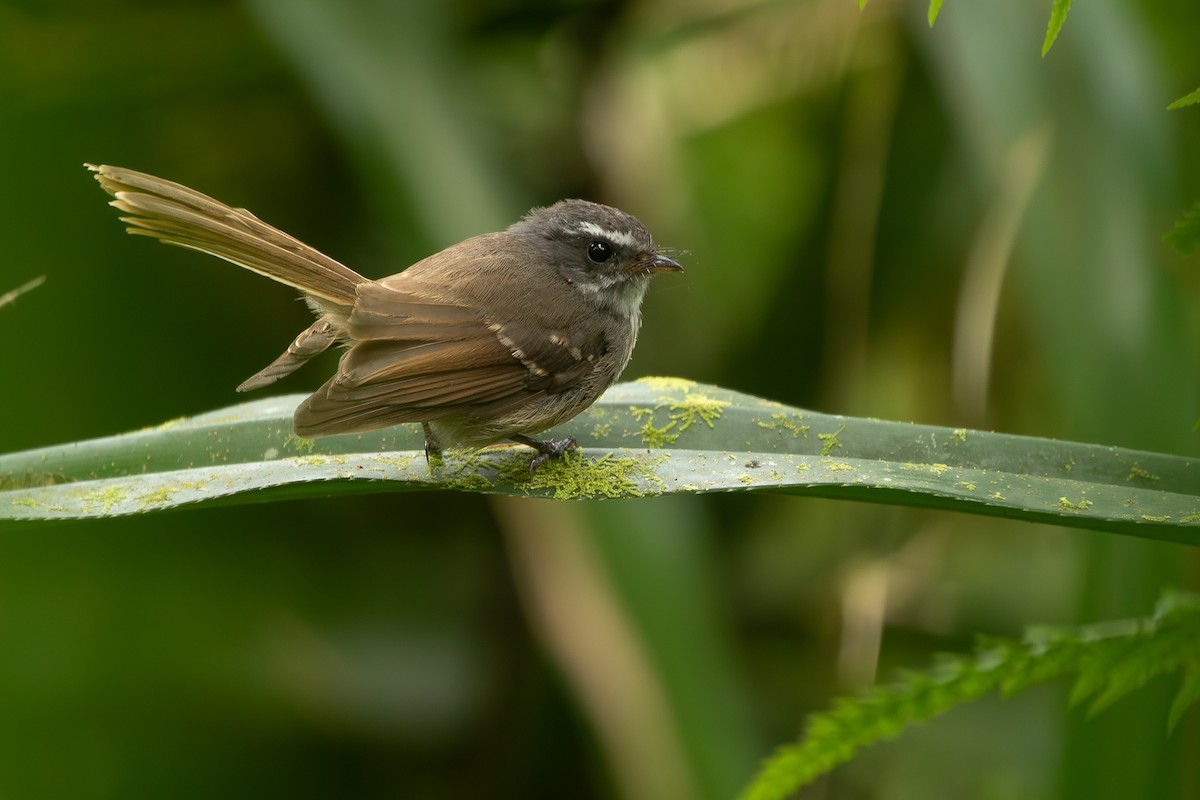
(28, 502)
(104, 498)
(639, 412)
(1067, 505)
(662, 384)
(298, 443)
(937, 469)
(682, 414)
(656, 438)
(463, 469)
(576, 477)
(1136, 472)
(163, 495)
(697, 407)
(830, 440)
(784, 421)
(317, 460)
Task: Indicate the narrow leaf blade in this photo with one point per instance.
(649, 437)
(935, 7)
(1058, 15)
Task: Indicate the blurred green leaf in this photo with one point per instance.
(1058, 15)
(935, 6)
(12, 295)
(654, 436)
(386, 76)
(1188, 694)
(1187, 100)
(1185, 236)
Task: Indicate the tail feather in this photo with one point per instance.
(312, 341)
(181, 216)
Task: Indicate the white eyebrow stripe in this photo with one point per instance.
(614, 237)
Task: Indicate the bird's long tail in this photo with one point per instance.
(181, 216)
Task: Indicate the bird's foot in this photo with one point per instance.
(547, 449)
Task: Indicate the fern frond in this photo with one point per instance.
(1058, 15)
(1186, 100)
(1110, 660)
(1185, 236)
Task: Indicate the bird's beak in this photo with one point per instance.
(660, 263)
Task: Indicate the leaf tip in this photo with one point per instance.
(935, 6)
(1058, 15)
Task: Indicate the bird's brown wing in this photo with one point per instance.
(419, 359)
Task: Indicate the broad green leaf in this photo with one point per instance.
(1058, 15)
(650, 437)
(1186, 100)
(1185, 236)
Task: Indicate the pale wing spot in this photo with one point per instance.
(517, 352)
(558, 339)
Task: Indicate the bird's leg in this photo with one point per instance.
(547, 449)
(433, 450)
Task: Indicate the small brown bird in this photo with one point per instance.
(500, 336)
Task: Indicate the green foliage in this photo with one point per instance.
(1108, 660)
(1185, 236)
(935, 6)
(831, 178)
(1187, 100)
(1058, 15)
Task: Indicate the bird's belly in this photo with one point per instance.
(541, 412)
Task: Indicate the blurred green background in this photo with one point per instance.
(879, 219)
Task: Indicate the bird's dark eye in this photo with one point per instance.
(599, 251)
